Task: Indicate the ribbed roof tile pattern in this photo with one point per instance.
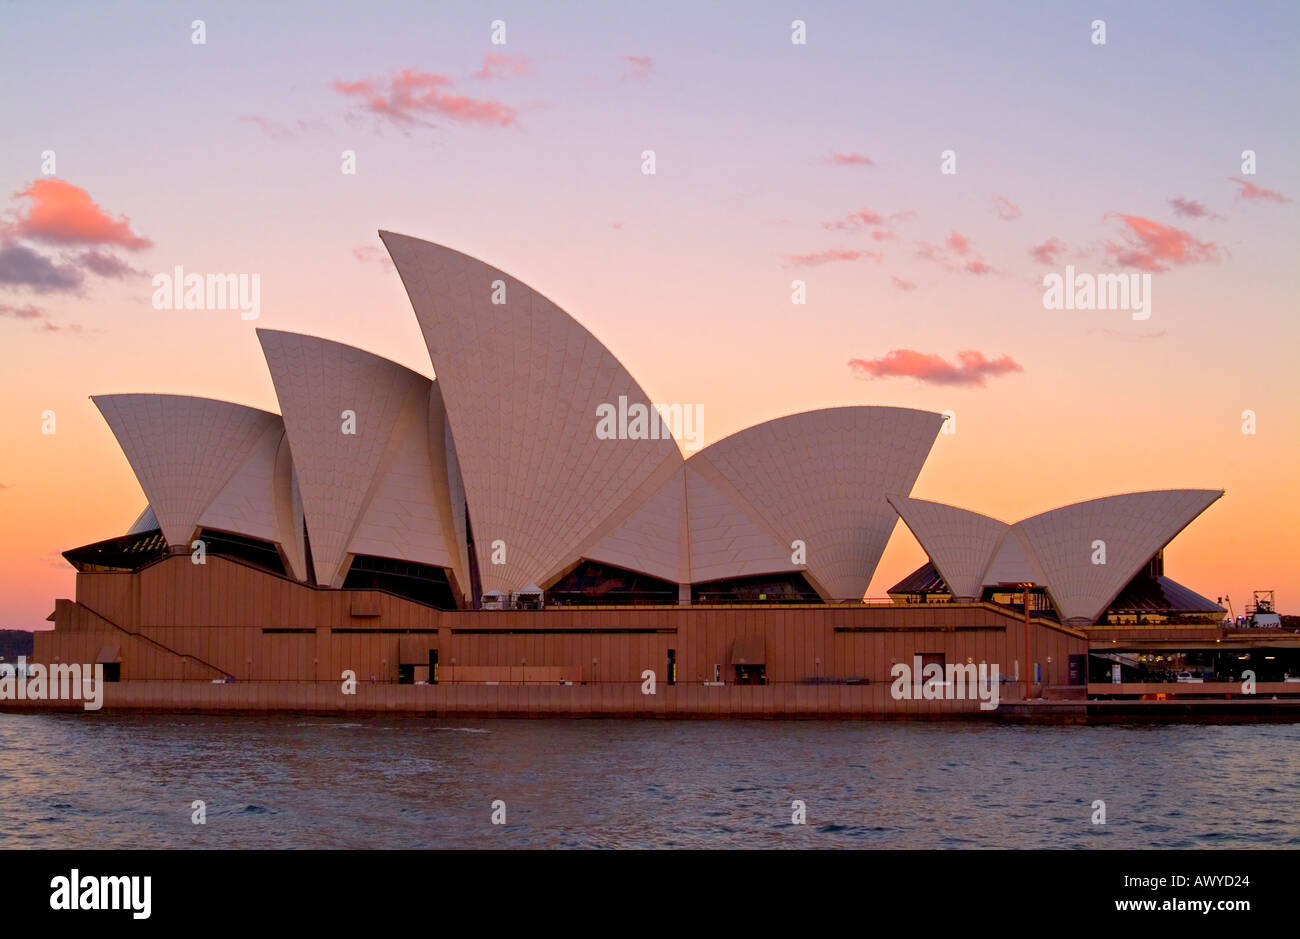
(246, 504)
(648, 533)
(821, 477)
(1012, 561)
(1061, 550)
(340, 474)
(1133, 527)
(446, 473)
(183, 450)
(288, 511)
(728, 538)
(522, 381)
(404, 519)
(958, 541)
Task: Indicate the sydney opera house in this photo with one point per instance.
(470, 544)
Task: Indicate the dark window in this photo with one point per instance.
(253, 551)
(1040, 604)
(672, 666)
(594, 584)
(127, 553)
(1078, 669)
(790, 587)
(112, 671)
(422, 583)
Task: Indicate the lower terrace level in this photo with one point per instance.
(226, 636)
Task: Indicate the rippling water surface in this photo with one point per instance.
(82, 781)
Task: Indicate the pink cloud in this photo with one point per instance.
(850, 159)
(881, 234)
(1152, 246)
(501, 65)
(408, 96)
(640, 67)
(1007, 210)
(1188, 207)
(859, 219)
(363, 86)
(617, 226)
(65, 214)
(49, 327)
(1046, 252)
(961, 246)
(21, 312)
(834, 254)
(39, 316)
(868, 218)
(903, 284)
(971, 368)
(1250, 191)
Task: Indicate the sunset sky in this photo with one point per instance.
(775, 162)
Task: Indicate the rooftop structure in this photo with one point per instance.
(496, 479)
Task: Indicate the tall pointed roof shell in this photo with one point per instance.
(522, 381)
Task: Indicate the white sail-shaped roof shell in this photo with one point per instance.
(522, 382)
(506, 442)
(958, 541)
(1070, 543)
(1082, 554)
(370, 478)
(1013, 562)
(648, 532)
(820, 478)
(246, 504)
(184, 451)
(728, 537)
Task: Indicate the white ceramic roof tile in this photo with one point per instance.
(646, 533)
(410, 516)
(183, 450)
(1012, 561)
(821, 477)
(521, 382)
(342, 476)
(726, 536)
(958, 541)
(1133, 527)
(288, 510)
(246, 505)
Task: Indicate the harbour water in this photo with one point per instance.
(131, 781)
